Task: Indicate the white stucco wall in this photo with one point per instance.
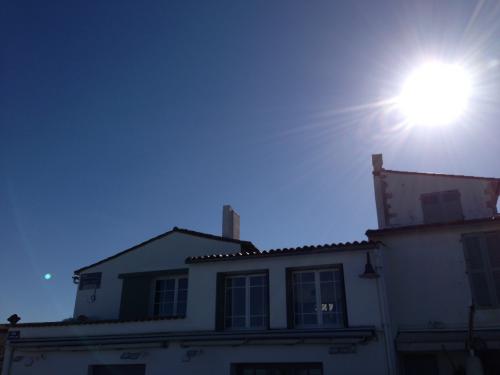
(362, 309)
(170, 253)
(165, 253)
(426, 278)
(212, 360)
(404, 191)
(361, 294)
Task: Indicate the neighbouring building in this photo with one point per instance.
(186, 302)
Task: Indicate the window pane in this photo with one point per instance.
(238, 322)
(181, 295)
(481, 293)
(169, 284)
(239, 303)
(167, 309)
(496, 280)
(493, 242)
(326, 276)
(257, 300)
(257, 280)
(257, 321)
(473, 253)
(183, 283)
(306, 277)
(310, 319)
(330, 319)
(181, 308)
(238, 281)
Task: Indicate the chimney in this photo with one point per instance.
(230, 223)
(377, 163)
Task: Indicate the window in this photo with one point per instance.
(90, 281)
(316, 298)
(441, 207)
(170, 297)
(242, 301)
(138, 369)
(278, 369)
(482, 256)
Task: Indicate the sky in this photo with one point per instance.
(122, 119)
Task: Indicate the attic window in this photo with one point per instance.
(442, 207)
(90, 280)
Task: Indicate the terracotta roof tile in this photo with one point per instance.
(312, 249)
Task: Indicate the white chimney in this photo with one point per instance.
(230, 223)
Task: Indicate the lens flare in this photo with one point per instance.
(47, 276)
(435, 94)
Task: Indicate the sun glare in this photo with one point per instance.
(435, 94)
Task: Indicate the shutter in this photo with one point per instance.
(219, 302)
(431, 208)
(452, 207)
(493, 250)
(289, 299)
(136, 293)
(476, 268)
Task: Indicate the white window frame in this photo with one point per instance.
(247, 301)
(319, 305)
(176, 278)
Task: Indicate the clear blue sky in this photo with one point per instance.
(122, 119)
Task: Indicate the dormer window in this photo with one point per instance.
(442, 207)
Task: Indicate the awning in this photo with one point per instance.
(453, 340)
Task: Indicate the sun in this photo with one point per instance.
(436, 93)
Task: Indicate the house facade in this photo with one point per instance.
(400, 302)
(440, 242)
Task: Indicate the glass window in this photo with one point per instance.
(318, 298)
(171, 296)
(245, 301)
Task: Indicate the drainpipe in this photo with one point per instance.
(8, 355)
(384, 312)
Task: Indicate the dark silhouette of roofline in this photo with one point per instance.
(245, 245)
(424, 227)
(439, 174)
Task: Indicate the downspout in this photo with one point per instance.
(9, 354)
(384, 312)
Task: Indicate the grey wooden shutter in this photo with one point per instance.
(493, 251)
(431, 208)
(289, 299)
(477, 270)
(219, 301)
(451, 205)
(136, 293)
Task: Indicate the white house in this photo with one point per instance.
(440, 243)
(192, 303)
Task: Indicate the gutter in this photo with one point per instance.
(354, 336)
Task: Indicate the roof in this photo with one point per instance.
(362, 245)
(351, 335)
(245, 245)
(76, 322)
(440, 175)
(425, 227)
